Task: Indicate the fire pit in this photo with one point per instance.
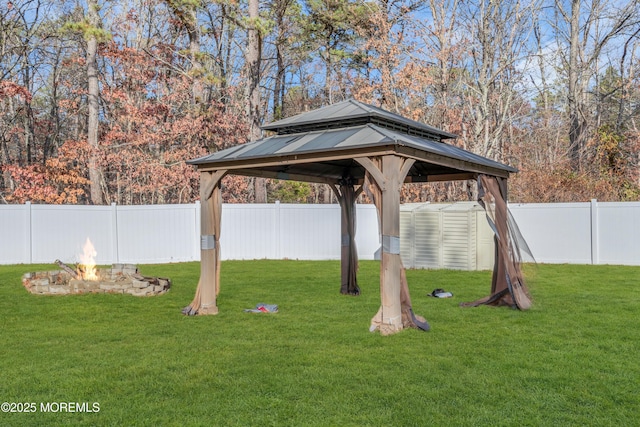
(86, 278)
(119, 279)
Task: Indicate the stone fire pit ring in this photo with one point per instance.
(119, 279)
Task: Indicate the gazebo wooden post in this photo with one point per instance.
(390, 267)
(209, 217)
(205, 300)
(389, 179)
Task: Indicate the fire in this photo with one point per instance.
(87, 265)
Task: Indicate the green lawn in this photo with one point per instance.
(574, 359)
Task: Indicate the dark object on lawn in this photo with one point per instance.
(440, 293)
(263, 308)
(420, 324)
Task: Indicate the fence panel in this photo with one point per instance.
(618, 233)
(277, 231)
(367, 232)
(157, 233)
(556, 233)
(60, 231)
(15, 234)
(248, 231)
(309, 233)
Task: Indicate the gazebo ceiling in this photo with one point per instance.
(320, 146)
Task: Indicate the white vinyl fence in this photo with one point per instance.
(581, 233)
(32, 233)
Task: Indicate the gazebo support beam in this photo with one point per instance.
(205, 300)
(391, 265)
(388, 173)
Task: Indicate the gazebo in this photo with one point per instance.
(355, 147)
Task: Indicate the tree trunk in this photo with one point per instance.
(51, 140)
(327, 193)
(197, 70)
(29, 134)
(281, 7)
(577, 126)
(93, 105)
(387, 101)
(328, 98)
(253, 57)
(278, 88)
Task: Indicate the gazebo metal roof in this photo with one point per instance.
(352, 113)
(319, 146)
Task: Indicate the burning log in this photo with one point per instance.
(68, 269)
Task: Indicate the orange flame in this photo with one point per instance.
(87, 266)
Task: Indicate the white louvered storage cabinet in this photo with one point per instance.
(452, 236)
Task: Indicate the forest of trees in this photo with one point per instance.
(102, 101)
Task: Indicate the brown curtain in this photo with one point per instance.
(508, 284)
(347, 195)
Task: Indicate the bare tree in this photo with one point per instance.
(499, 31)
(445, 55)
(283, 49)
(587, 28)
